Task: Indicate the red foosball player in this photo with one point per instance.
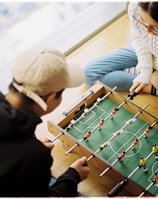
(101, 123)
(122, 155)
(156, 179)
(155, 150)
(87, 135)
(134, 143)
(113, 112)
(147, 130)
(143, 163)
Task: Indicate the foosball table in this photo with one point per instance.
(119, 138)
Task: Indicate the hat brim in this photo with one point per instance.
(76, 75)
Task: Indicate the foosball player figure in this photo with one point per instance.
(156, 178)
(134, 143)
(143, 163)
(122, 155)
(98, 99)
(130, 121)
(87, 135)
(147, 130)
(101, 123)
(97, 102)
(86, 110)
(155, 150)
(113, 112)
(70, 125)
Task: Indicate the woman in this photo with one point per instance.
(110, 68)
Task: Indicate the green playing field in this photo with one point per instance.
(119, 143)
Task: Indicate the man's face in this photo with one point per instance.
(54, 101)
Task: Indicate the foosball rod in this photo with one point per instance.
(93, 130)
(147, 188)
(113, 112)
(104, 120)
(89, 133)
(147, 130)
(86, 111)
(110, 92)
(117, 133)
(121, 156)
(81, 140)
(118, 187)
(100, 100)
(83, 98)
(56, 137)
(109, 141)
(128, 149)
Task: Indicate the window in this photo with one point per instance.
(43, 27)
(84, 25)
(22, 25)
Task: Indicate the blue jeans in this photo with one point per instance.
(108, 68)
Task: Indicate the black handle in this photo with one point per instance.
(115, 190)
(132, 95)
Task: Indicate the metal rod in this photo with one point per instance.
(60, 134)
(72, 148)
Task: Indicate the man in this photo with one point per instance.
(39, 78)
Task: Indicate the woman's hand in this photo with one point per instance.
(137, 87)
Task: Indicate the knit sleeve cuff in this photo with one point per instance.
(144, 76)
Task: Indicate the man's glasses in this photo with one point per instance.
(137, 17)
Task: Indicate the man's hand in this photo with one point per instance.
(81, 167)
(46, 142)
(137, 87)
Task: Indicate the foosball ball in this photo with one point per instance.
(119, 138)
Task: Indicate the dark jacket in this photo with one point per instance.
(24, 161)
